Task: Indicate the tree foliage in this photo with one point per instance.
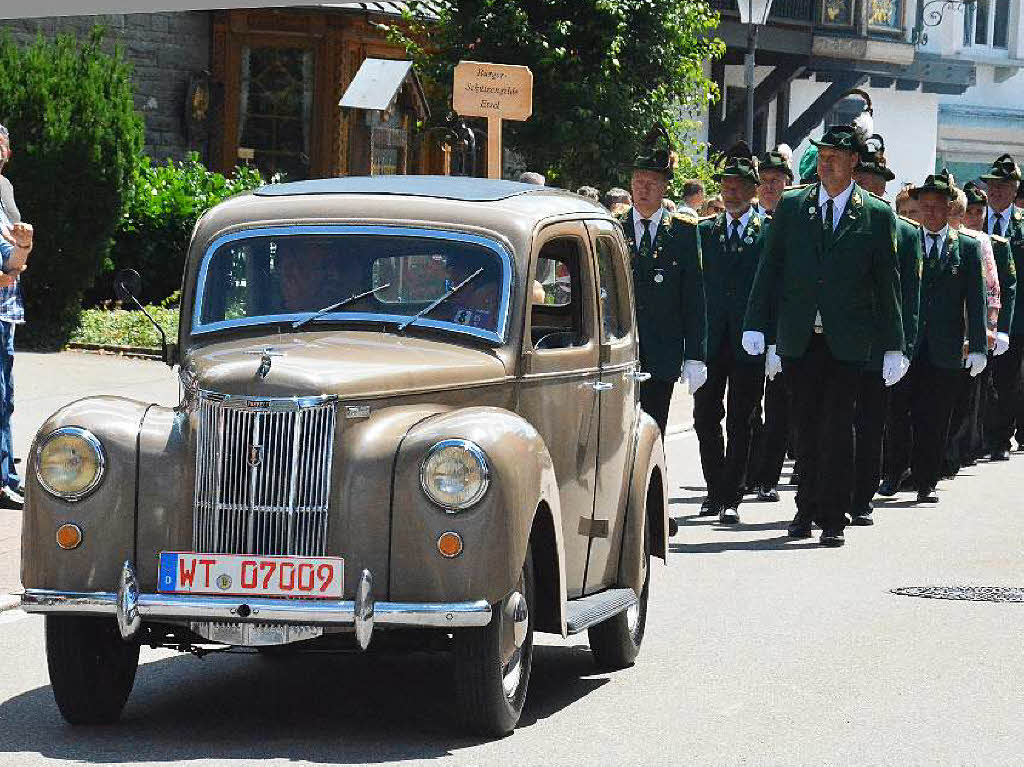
(76, 134)
(604, 72)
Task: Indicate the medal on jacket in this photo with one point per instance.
(659, 276)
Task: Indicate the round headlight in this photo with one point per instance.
(70, 462)
(455, 474)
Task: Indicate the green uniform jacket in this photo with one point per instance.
(950, 291)
(909, 255)
(854, 282)
(669, 292)
(727, 279)
(1011, 316)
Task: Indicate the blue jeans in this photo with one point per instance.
(8, 473)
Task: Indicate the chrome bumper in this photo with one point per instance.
(130, 608)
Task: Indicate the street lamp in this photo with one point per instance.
(753, 13)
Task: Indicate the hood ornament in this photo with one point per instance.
(266, 359)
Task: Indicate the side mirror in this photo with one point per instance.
(127, 286)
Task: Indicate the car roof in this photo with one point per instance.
(440, 187)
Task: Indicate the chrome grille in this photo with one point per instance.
(263, 475)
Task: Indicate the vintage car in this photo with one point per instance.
(409, 404)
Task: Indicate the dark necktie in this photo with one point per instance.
(734, 238)
(645, 241)
(826, 221)
(933, 251)
(997, 227)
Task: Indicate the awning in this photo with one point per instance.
(378, 83)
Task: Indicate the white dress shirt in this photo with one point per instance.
(1003, 222)
(940, 243)
(838, 203)
(742, 219)
(638, 226)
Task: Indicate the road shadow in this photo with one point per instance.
(779, 543)
(333, 709)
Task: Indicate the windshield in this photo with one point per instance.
(295, 273)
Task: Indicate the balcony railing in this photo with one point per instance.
(886, 15)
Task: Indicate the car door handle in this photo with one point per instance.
(603, 386)
(639, 375)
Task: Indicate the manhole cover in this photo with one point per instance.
(964, 593)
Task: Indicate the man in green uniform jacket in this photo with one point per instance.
(952, 289)
(828, 272)
(1005, 220)
(873, 396)
(730, 245)
(668, 283)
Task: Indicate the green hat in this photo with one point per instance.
(937, 182)
(872, 158)
(975, 194)
(809, 165)
(1003, 169)
(841, 137)
(740, 163)
(774, 160)
(656, 152)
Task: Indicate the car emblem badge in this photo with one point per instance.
(255, 455)
(224, 582)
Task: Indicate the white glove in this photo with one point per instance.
(753, 342)
(772, 363)
(695, 373)
(976, 362)
(894, 367)
(1002, 343)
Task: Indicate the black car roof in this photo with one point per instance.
(442, 187)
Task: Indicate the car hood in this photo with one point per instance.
(349, 364)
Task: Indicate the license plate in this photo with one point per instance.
(242, 574)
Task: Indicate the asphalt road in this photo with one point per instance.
(758, 651)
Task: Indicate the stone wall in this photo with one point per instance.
(165, 49)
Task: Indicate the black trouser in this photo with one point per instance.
(725, 463)
(919, 416)
(656, 399)
(986, 401)
(771, 451)
(963, 424)
(1007, 379)
(869, 424)
(824, 393)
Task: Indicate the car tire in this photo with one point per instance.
(92, 669)
(615, 643)
(491, 689)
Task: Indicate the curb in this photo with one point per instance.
(140, 352)
(9, 602)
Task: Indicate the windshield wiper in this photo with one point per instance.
(428, 309)
(332, 307)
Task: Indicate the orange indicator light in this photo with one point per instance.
(450, 545)
(69, 536)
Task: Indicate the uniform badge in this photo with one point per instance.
(749, 240)
(659, 276)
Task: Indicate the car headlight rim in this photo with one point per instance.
(483, 465)
(99, 455)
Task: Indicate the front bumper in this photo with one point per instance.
(130, 608)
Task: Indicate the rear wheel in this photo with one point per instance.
(92, 669)
(492, 664)
(616, 642)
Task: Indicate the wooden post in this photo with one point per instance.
(494, 147)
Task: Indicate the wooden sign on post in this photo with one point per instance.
(497, 92)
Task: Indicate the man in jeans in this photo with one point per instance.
(15, 246)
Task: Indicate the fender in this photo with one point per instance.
(648, 474)
(495, 532)
(106, 517)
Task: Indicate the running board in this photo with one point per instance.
(582, 613)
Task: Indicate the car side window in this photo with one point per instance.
(614, 315)
(557, 322)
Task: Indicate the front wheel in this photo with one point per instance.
(615, 642)
(92, 669)
(492, 664)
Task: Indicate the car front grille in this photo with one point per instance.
(263, 470)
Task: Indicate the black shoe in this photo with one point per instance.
(862, 519)
(800, 527)
(8, 500)
(968, 462)
(729, 516)
(709, 508)
(832, 538)
(1000, 455)
(927, 495)
(767, 493)
(891, 485)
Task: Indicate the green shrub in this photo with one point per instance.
(119, 327)
(162, 207)
(76, 134)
